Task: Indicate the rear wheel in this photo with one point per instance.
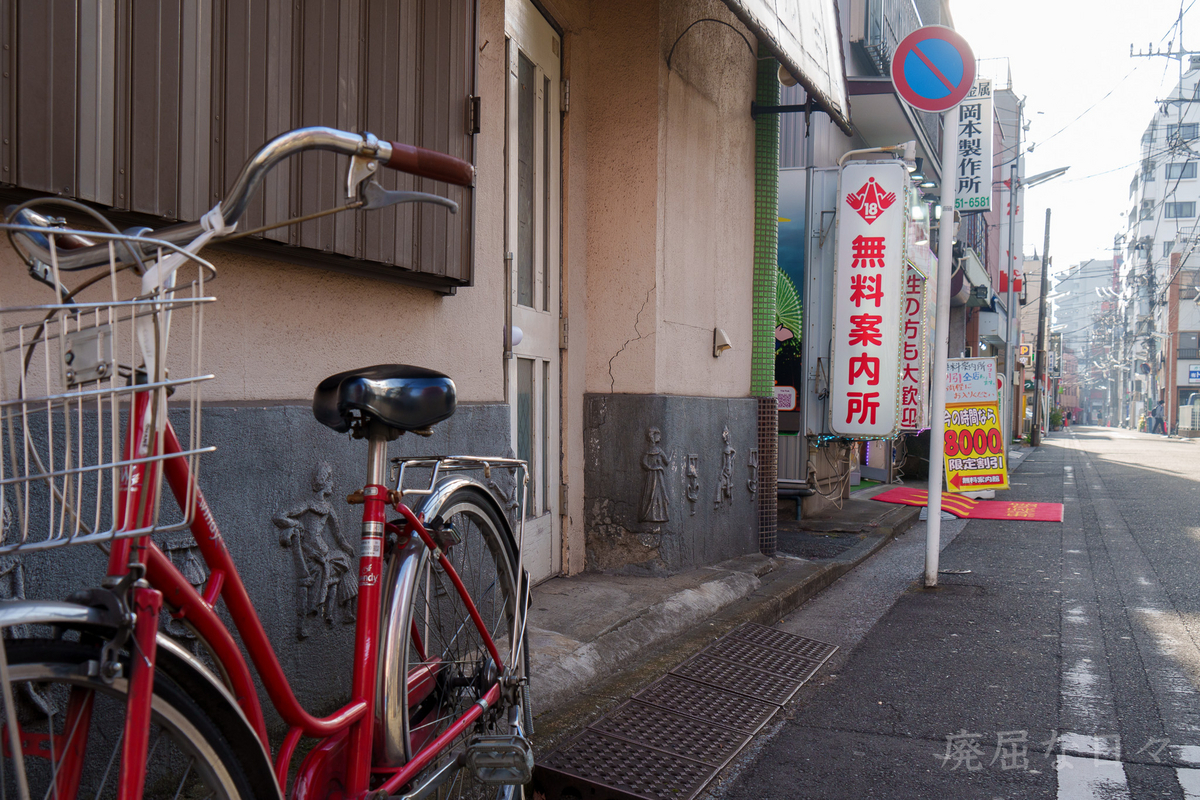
(448, 664)
(71, 730)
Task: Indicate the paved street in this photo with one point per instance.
(1065, 664)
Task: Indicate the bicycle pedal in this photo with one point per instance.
(500, 760)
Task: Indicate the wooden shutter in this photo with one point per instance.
(153, 108)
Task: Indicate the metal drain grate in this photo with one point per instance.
(721, 673)
(679, 732)
(708, 703)
(777, 662)
(623, 769)
(675, 733)
(776, 639)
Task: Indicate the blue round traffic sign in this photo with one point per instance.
(933, 69)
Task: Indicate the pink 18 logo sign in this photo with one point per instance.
(870, 201)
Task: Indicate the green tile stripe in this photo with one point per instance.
(766, 230)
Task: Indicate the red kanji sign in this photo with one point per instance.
(868, 299)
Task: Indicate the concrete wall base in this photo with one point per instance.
(664, 488)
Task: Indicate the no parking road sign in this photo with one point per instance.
(933, 69)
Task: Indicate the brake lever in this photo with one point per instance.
(41, 272)
(375, 196)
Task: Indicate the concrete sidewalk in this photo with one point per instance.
(596, 638)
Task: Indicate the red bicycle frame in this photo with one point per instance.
(348, 731)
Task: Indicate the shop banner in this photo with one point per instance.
(872, 225)
(973, 165)
(914, 357)
(974, 449)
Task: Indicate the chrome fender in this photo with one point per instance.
(430, 506)
(189, 672)
(400, 577)
(55, 612)
(404, 565)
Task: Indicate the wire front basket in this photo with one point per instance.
(126, 336)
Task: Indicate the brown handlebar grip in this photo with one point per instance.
(431, 164)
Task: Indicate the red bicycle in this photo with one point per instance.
(104, 703)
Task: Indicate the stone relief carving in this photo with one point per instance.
(752, 459)
(325, 576)
(184, 554)
(653, 507)
(12, 572)
(724, 498)
(692, 474)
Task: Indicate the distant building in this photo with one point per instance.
(1161, 234)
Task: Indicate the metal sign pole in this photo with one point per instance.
(937, 420)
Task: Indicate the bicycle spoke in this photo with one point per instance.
(57, 764)
(183, 779)
(108, 767)
(53, 788)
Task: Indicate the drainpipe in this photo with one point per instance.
(766, 258)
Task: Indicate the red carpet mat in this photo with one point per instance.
(966, 508)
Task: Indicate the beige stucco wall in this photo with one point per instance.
(670, 205)
(657, 210)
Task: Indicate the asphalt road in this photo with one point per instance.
(1065, 664)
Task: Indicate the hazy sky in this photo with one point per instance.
(1070, 60)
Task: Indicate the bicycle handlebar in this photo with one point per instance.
(430, 164)
(394, 155)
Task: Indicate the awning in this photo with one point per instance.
(808, 45)
(883, 119)
(977, 275)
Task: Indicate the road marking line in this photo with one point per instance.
(1088, 766)
(1189, 781)
(1091, 779)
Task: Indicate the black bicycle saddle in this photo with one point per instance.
(400, 396)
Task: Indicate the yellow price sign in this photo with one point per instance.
(973, 448)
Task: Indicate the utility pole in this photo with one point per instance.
(1040, 370)
(1010, 296)
(1152, 300)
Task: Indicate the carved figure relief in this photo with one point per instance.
(692, 473)
(325, 577)
(752, 483)
(724, 498)
(12, 573)
(182, 551)
(653, 507)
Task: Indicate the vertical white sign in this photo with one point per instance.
(869, 268)
(914, 355)
(973, 165)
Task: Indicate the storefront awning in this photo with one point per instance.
(883, 119)
(808, 45)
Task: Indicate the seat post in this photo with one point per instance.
(378, 436)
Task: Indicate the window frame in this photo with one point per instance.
(1187, 170)
(1171, 209)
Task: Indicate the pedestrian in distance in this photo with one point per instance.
(1157, 425)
